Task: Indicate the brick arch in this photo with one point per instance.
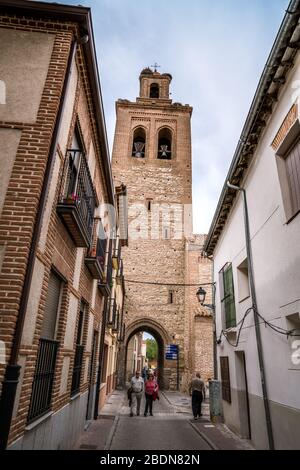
(133, 131)
(162, 337)
(173, 139)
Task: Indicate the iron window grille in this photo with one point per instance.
(77, 369)
(40, 402)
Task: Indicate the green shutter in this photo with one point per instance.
(229, 300)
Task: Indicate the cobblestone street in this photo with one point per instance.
(171, 428)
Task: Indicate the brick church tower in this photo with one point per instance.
(152, 157)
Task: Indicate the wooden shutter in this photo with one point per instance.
(227, 296)
(225, 377)
(293, 174)
(51, 308)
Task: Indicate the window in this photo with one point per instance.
(171, 297)
(40, 402)
(75, 156)
(139, 143)
(79, 349)
(154, 90)
(292, 165)
(243, 281)
(52, 307)
(225, 378)
(166, 233)
(164, 151)
(149, 204)
(227, 296)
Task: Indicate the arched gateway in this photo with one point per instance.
(166, 369)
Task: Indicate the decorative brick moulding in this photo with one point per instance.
(290, 119)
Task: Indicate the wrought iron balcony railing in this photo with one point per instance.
(77, 199)
(95, 259)
(111, 313)
(117, 254)
(105, 284)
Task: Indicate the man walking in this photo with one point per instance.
(137, 386)
(197, 391)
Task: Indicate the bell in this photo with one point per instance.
(164, 149)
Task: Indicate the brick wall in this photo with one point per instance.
(18, 217)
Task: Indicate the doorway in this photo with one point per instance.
(145, 352)
(243, 395)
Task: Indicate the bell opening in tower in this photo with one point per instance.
(139, 143)
(154, 90)
(164, 144)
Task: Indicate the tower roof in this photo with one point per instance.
(149, 72)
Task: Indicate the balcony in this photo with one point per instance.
(111, 313)
(120, 273)
(105, 284)
(77, 199)
(117, 256)
(95, 259)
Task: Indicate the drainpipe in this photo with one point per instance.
(256, 318)
(12, 372)
(101, 357)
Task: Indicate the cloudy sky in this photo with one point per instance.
(215, 50)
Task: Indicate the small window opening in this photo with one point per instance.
(139, 143)
(164, 151)
(154, 90)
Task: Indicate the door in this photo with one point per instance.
(243, 395)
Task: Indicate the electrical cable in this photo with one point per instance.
(168, 284)
(277, 329)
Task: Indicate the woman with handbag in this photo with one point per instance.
(151, 389)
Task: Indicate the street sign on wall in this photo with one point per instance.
(172, 352)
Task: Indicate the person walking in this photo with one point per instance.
(197, 392)
(137, 388)
(151, 388)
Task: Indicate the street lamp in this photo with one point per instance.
(201, 294)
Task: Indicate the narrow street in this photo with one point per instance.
(171, 428)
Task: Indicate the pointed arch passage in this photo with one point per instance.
(164, 151)
(139, 143)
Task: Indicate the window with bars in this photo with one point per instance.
(227, 296)
(79, 350)
(40, 402)
(225, 378)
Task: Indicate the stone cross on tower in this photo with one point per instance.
(155, 66)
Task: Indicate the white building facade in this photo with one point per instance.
(267, 166)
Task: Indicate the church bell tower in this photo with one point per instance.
(152, 157)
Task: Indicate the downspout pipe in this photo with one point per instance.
(12, 372)
(256, 318)
(101, 358)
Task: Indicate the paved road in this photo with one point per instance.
(169, 429)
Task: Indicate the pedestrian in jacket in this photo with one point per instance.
(137, 388)
(197, 392)
(151, 388)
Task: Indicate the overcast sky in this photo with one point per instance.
(215, 51)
